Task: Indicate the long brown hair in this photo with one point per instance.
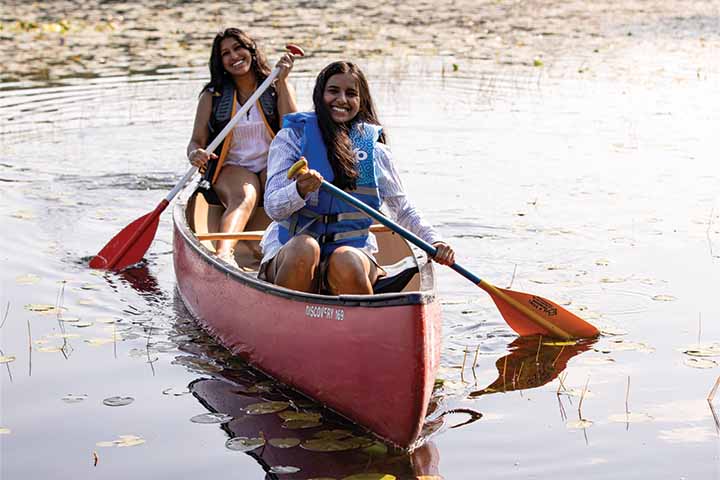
(260, 66)
(337, 136)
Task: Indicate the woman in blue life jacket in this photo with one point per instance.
(236, 170)
(316, 242)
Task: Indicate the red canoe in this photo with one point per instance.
(371, 358)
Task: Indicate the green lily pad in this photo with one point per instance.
(5, 431)
(336, 444)
(74, 398)
(123, 441)
(263, 408)
(118, 401)
(244, 444)
(301, 424)
(7, 358)
(213, 417)
(176, 391)
(694, 362)
(579, 424)
(284, 442)
(305, 416)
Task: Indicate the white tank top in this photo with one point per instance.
(250, 142)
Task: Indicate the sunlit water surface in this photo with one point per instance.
(599, 192)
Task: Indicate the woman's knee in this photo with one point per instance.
(347, 268)
(302, 253)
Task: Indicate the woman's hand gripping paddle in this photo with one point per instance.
(525, 313)
(129, 246)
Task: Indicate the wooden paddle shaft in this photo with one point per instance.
(257, 235)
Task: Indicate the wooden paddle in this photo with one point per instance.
(527, 314)
(129, 246)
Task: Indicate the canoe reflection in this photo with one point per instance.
(532, 362)
(298, 440)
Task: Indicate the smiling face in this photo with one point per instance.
(236, 59)
(342, 97)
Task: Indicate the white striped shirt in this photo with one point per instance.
(282, 198)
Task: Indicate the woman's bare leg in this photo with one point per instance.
(350, 271)
(239, 190)
(296, 264)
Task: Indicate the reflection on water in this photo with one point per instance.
(532, 362)
(597, 189)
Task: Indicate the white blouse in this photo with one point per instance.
(282, 198)
(250, 142)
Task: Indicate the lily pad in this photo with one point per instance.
(335, 441)
(29, 279)
(694, 362)
(43, 308)
(176, 391)
(95, 342)
(7, 358)
(82, 324)
(305, 416)
(49, 349)
(213, 417)
(579, 424)
(74, 398)
(301, 424)
(289, 442)
(244, 444)
(371, 476)
(266, 407)
(703, 351)
(118, 401)
(283, 469)
(123, 441)
(5, 431)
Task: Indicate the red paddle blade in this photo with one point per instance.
(128, 246)
(534, 315)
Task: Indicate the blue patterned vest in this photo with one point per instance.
(333, 222)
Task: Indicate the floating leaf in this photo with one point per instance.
(86, 301)
(266, 407)
(28, 279)
(244, 444)
(118, 401)
(333, 434)
(336, 444)
(5, 431)
(213, 417)
(630, 418)
(304, 416)
(284, 442)
(602, 262)
(261, 387)
(69, 319)
(49, 349)
(700, 362)
(703, 351)
(561, 344)
(664, 298)
(24, 215)
(82, 324)
(107, 320)
(74, 398)
(578, 424)
(613, 331)
(176, 391)
(284, 469)
(123, 441)
(371, 476)
(43, 308)
(376, 449)
(7, 359)
(300, 424)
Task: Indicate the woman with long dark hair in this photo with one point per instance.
(316, 242)
(236, 170)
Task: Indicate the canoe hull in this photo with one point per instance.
(373, 362)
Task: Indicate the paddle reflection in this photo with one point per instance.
(533, 362)
(291, 437)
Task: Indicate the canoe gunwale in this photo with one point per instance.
(425, 296)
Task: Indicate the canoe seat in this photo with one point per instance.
(398, 276)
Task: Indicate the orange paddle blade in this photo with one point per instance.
(534, 315)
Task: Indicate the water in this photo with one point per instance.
(590, 180)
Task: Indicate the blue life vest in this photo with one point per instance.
(333, 222)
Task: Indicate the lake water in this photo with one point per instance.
(591, 180)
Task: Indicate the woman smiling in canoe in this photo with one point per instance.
(318, 243)
(236, 170)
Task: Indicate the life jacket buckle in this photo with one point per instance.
(326, 238)
(330, 218)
